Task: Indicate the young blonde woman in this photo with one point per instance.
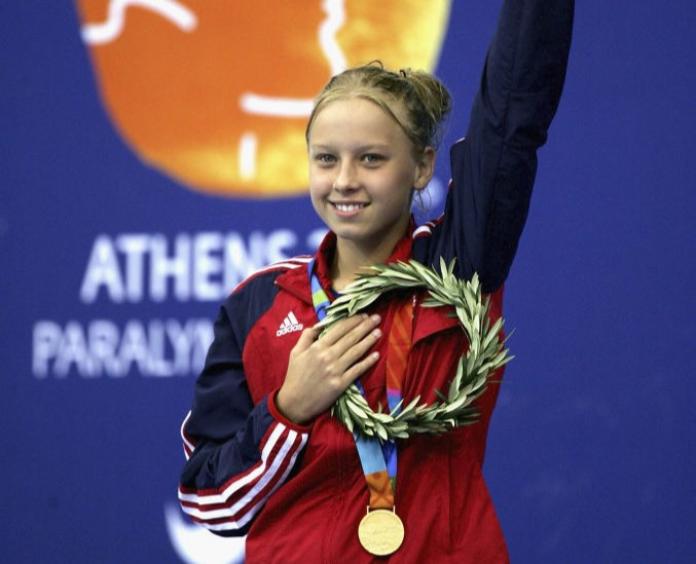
(265, 457)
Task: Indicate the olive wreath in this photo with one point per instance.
(486, 352)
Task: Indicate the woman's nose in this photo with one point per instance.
(347, 177)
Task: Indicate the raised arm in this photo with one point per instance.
(237, 454)
(494, 166)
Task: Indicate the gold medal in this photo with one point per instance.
(381, 532)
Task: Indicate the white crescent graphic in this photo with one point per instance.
(196, 545)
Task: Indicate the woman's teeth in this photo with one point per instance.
(349, 207)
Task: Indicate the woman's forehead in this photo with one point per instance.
(372, 96)
(358, 114)
(355, 121)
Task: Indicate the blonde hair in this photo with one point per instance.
(425, 99)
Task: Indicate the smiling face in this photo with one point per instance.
(362, 171)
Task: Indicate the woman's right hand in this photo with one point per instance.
(321, 369)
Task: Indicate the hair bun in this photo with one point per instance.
(434, 96)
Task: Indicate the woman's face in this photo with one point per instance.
(362, 169)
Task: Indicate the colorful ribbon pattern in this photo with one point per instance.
(379, 462)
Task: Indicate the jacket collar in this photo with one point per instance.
(296, 280)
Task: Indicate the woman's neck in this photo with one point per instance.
(349, 259)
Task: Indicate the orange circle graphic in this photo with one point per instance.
(216, 94)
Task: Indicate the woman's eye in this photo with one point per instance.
(372, 158)
(324, 158)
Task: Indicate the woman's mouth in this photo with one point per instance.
(347, 209)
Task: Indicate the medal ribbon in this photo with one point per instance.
(378, 462)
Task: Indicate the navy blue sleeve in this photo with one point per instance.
(237, 453)
(494, 166)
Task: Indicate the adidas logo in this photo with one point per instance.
(289, 325)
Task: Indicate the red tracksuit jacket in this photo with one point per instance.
(298, 491)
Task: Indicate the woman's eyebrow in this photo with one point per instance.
(357, 148)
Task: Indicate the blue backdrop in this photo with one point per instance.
(591, 453)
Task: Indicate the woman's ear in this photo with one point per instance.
(425, 168)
